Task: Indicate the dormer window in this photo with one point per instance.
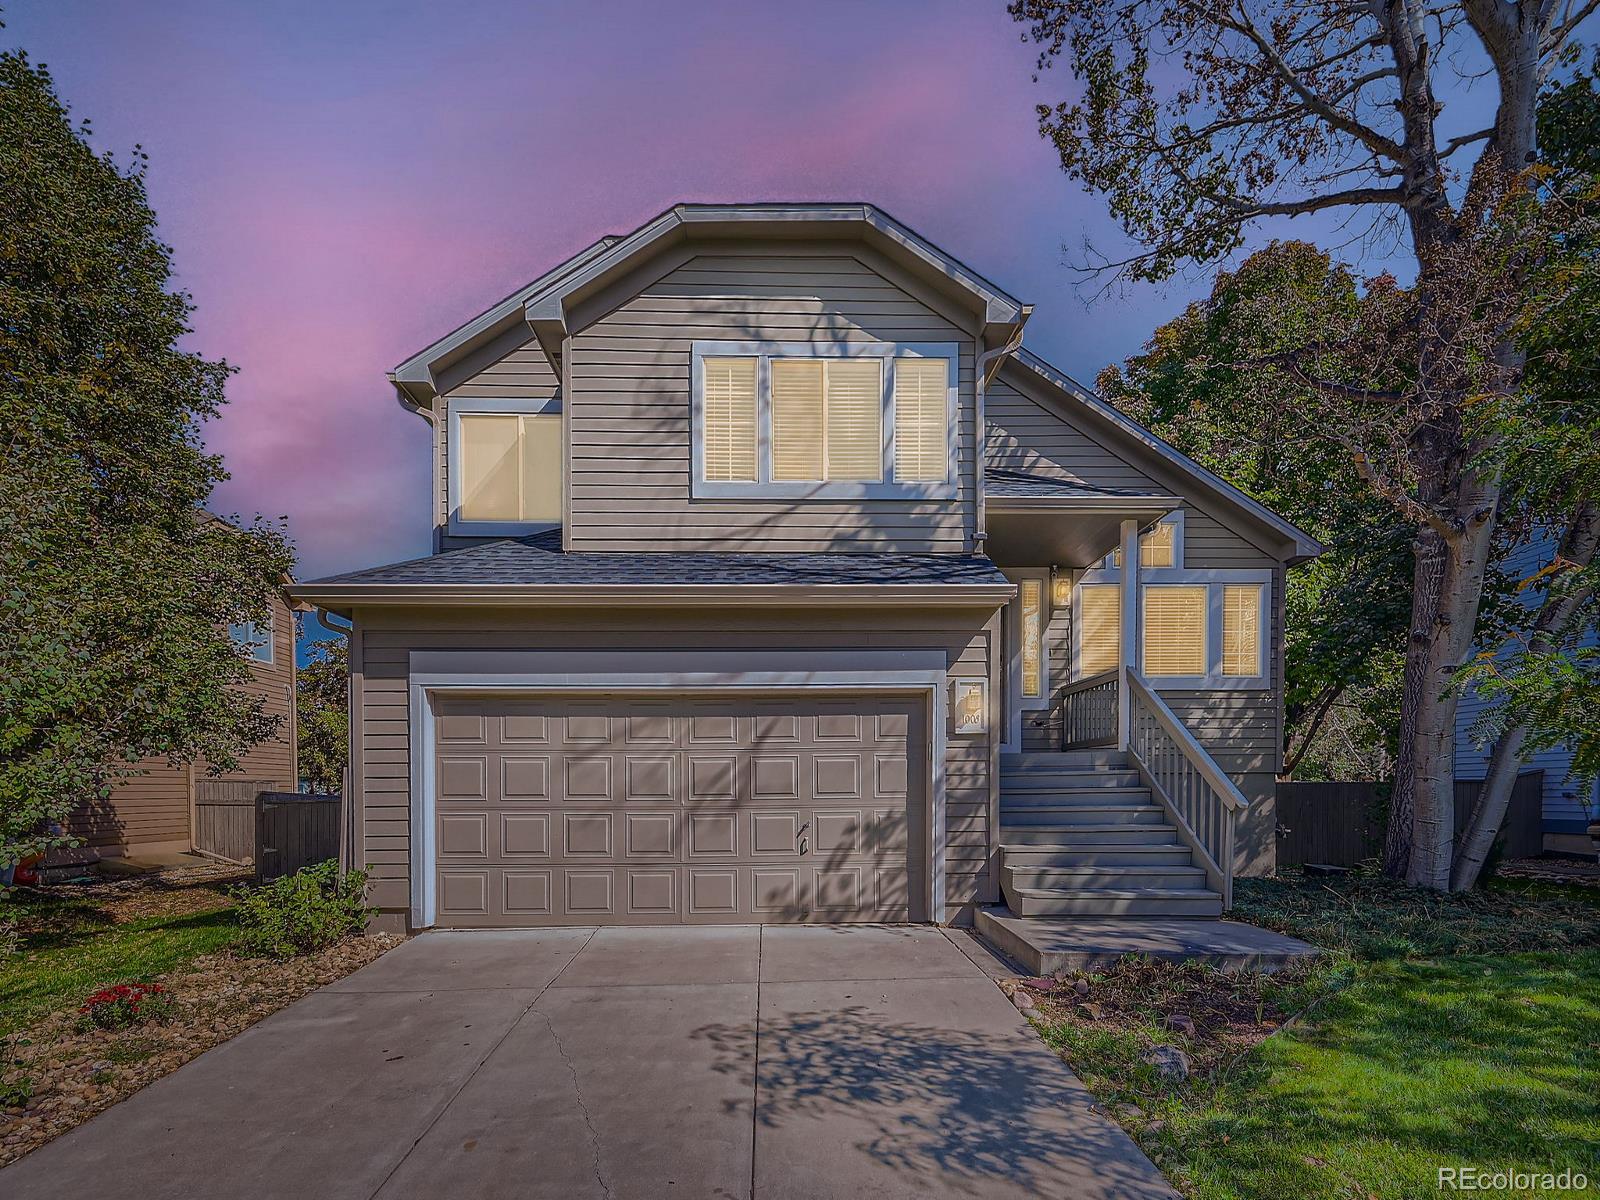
(505, 466)
(824, 421)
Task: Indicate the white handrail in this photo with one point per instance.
(1192, 749)
(1202, 801)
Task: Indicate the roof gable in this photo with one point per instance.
(544, 304)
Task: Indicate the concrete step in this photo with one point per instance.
(1065, 760)
(1114, 902)
(1169, 854)
(1070, 780)
(1046, 945)
(1080, 837)
(1174, 877)
(1054, 795)
(1081, 814)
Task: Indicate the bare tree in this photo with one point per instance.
(1199, 118)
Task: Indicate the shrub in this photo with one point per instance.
(303, 912)
(128, 1004)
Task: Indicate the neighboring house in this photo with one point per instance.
(1568, 805)
(153, 812)
(770, 583)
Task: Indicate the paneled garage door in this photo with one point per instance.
(579, 812)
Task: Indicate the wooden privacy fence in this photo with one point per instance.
(294, 830)
(253, 821)
(1343, 823)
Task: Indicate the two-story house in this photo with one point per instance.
(775, 581)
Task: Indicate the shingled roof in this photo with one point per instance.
(523, 568)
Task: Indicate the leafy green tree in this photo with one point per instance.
(1198, 120)
(115, 587)
(322, 691)
(1542, 681)
(1201, 385)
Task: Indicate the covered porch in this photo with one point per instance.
(1076, 676)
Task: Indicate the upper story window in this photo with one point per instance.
(254, 639)
(834, 421)
(504, 466)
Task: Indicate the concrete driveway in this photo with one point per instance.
(804, 1063)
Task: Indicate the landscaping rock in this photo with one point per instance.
(1171, 1064)
(1024, 1002)
(1081, 986)
(217, 997)
(1179, 1023)
(1038, 985)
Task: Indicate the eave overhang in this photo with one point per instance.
(343, 598)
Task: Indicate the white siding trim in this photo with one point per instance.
(610, 672)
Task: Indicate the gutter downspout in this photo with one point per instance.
(980, 533)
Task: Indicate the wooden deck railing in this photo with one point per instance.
(1203, 802)
(1089, 712)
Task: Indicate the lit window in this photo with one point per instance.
(1241, 629)
(1100, 628)
(254, 639)
(1032, 599)
(795, 419)
(730, 437)
(1158, 547)
(921, 419)
(1174, 630)
(510, 467)
(827, 420)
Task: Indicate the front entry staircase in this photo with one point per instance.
(1081, 835)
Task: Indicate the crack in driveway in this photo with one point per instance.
(577, 1091)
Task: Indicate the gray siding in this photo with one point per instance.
(381, 761)
(629, 408)
(1241, 729)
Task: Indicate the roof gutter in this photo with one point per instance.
(987, 366)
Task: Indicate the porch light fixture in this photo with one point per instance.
(969, 705)
(1060, 587)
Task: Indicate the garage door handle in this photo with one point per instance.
(801, 837)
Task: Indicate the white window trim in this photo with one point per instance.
(1105, 572)
(460, 406)
(249, 650)
(763, 487)
(1213, 580)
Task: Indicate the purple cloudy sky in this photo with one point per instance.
(345, 180)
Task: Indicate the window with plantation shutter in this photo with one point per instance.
(854, 404)
(808, 421)
(921, 419)
(1032, 614)
(730, 418)
(1241, 629)
(1174, 630)
(797, 421)
(1099, 628)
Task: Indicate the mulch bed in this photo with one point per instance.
(1230, 1012)
(77, 1071)
(171, 892)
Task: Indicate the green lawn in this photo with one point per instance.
(1441, 1032)
(71, 951)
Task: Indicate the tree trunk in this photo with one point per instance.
(1461, 590)
(1577, 546)
(1427, 575)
